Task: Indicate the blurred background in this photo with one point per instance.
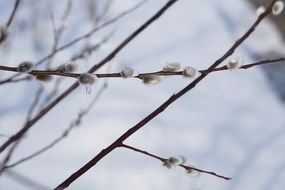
(232, 123)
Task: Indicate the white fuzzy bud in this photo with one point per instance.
(174, 161)
(25, 67)
(235, 63)
(151, 79)
(277, 7)
(4, 32)
(190, 72)
(171, 67)
(87, 79)
(191, 172)
(70, 67)
(127, 72)
(260, 10)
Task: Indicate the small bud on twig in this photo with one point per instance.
(151, 79)
(277, 7)
(127, 72)
(44, 78)
(171, 67)
(235, 63)
(190, 72)
(69, 67)
(87, 79)
(191, 172)
(260, 10)
(25, 67)
(174, 161)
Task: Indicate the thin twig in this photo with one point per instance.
(65, 133)
(93, 69)
(141, 75)
(58, 31)
(181, 165)
(161, 108)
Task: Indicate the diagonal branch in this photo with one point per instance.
(13, 13)
(117, 143)
(25, 181)
(181, 165)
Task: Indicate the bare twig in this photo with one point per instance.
(58, 31)
(10, 19)
(181, 165)
(93, 69)
(161, 108)
(15, 80)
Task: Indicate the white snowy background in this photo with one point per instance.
(231, 123)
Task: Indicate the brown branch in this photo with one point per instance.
(93, 69)
(141, 75)
(143, 152)
(161, 108)
(181, 165)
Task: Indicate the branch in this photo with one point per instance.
(117, 143)
(13, 13)
(181, 165)
(93, 69)
(139, 76)
(4, 34)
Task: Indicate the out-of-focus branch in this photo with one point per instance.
(80, 38)
(28, 117)
(58, 31)
(5, 29)
(13, 13)
(65, 133)
(181, 165)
